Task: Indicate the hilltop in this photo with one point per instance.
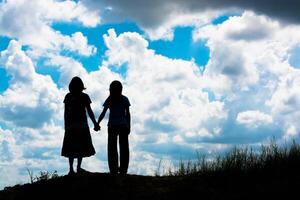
(271, 173)
(131, 187)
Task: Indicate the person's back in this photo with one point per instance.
(118, 126)
(75, 109)
(117, 111)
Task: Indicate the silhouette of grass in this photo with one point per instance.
(43, 175)
(271, 157)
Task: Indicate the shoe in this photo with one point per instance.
(122, 171)
(80, 170)
(71, 173)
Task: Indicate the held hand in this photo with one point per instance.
(97, 127)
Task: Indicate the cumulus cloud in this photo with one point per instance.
(32, 112)
(33, 24)
(30, 95)
(166, 94)
(238, 60)
(67, 11)
(254, 69)
(78, 43)
(253, 118)
(234, 52)
(285, 104)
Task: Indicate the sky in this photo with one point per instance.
(201, 76)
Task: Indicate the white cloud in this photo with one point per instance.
(254, 118)
(67, 67)
(234, 54)
(286, 98)
(166, 94)
(166, 29)
(247, 27)
(33, 19)
(78, 43)
(284, 102)
(68, 11)
(253, 71)
(10, 159)
(30, 95)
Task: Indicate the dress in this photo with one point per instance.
(77, 139)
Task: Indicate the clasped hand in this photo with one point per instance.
(97, 127)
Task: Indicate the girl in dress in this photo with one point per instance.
(77, 141)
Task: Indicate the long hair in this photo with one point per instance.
(115, 90)
(76, 85)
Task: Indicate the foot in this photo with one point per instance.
(71, 172)
(122, 171)
(80, 170)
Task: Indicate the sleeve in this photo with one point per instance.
(127, 103)
(106, 102)
(87, 100)
(66, 98)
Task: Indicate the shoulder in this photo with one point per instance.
(125, 100)
(86, 97)
(67, 97)
(106, 102)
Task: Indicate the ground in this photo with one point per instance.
(229, 185)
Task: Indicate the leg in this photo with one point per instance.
(71, 161)
(112, 150)
(124, 152)
(79, 161)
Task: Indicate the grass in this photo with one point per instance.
(43, 176)
(271, 157)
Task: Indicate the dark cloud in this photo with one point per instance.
(153, 13)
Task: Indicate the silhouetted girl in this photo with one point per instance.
(77, 141)
(118, 126)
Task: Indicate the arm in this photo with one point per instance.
(128, 118)
(91, 113)
(67, 116)
(102, 114)
(92, 116)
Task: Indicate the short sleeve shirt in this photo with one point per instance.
(117, 111)
(75, 108)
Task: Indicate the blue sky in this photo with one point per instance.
(199, 79)
(3, 75)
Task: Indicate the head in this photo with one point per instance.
(115, 88)
(76, 85)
